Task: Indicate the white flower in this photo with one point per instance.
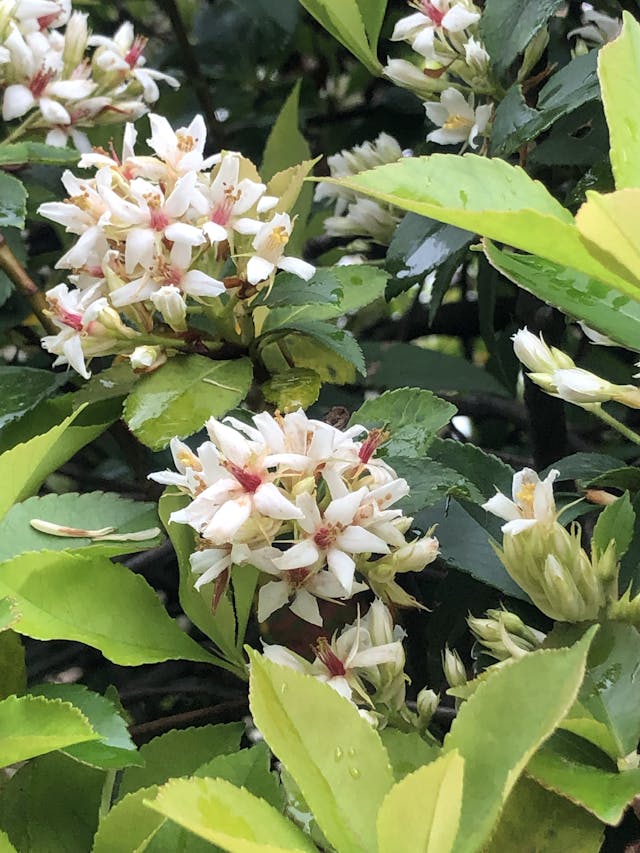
(596, 26)
(268, 243)
(533, 502)
(300, 589)
(182, 149)
(226, 199)
(579, 386)
(333, 536)
(211, 563)
(169, 302)
(596, 337)
(418, 28)
(476, 56)
(365, 218)
(458, 121)
(409, 76)
(534, 353)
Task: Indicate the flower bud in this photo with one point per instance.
(147, 359)
(628, 395)
(76, 35)
(427, 703)
(414, 556)
(454, 669)
(579, 386)
(504, 635)
(409, 76)
(109, 318)
(534, 353)
(169, 302)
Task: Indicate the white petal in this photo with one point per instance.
(53, 112)
(301, 554)
(458, 18)
(501, 506)
(140, 249)
(228, 520)
(270, 501)
(305, 606)
(342, 510)
(358, 540)
(272, 597)
(232, 444)
(258, 269)
(18, 100)
(342, 566)
(298, 267)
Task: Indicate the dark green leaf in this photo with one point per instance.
(290, 289)
(18, 153)
(13, 202)
(616, 521)
(430, 482)
(485, 471)
(407, 751)
(22, 389)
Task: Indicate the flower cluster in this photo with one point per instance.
(63, 82)
(354, 215)
(364, 662)
(307, 504)
(504, 636)
(556, 373)
(547, 561)
(154, 233)
(448, 53)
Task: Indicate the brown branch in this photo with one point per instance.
(25, 285)
(213, 713)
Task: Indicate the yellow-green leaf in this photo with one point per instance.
(230, 817)
(619, 73)
(422, 812)
(608, 224)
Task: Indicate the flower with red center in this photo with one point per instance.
(419, 29)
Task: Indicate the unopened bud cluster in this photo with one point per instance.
(153, 234)
(504, 636)
(64, 82)
(556, 373)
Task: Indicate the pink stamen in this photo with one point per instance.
(40, 81)
(249, 482)
(329, 658)
(371, 443)
(45, 21)
(136, 50)
(158, 219)
(69, 318)
(432, 12)
(324, 537)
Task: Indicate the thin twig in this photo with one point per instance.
(25, 285)
(191, 65)
(144, 731)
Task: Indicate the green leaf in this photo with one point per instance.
(563, 769)
(18, 153)
(115, 749)
(33, 725)
(611, 692)
(114, 382)
(177, 399)
(538, 690)
(13, 206)
(219, 626)
(309, 354)
(339, 341)
(22, 389)
(507, 28)
(398, 365)
(616, 522)
(13, 673)
(91, 600)
(129, 824)
(490, 197)
(250, 769)
(24, 468)
(286, 146)
(484, 470)
(412, 416)
(104, 509)
(298, 388)
(619, 71)
(180, 752)
(361, 285)
(51, 805)
(432, 827)
(289, 289)
(578, 295)
(584, 467)
(345, 23)
(430, 482)
(5, 845)
(334, 756)
(464, 544)
(228, 816)
(535, 820)
(407, 751)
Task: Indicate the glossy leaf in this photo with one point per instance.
(343, 771)
(537, 691)
(605, 793)
(430, 482)
(13, 204)
(129, 824)
(24, 467)
(432, 827)
(616, 521)
(290, 289)
(605, 223)
(180, 752)
(411, 416)
(407, 751)
(398, 365)
(110, 608)
(298, 387)
(619, 70)
(33, 725)
(13, 672)
(18, 153)
(85, 511)
(578, 295)
(490, 197)
(51, 805)
(346, 24)
(508, 28)
(22, 389)
(484, 470)
(535, 820)
(228, 816)
(219, 626)
(178, 398)
(115, 749)
(250, 769)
